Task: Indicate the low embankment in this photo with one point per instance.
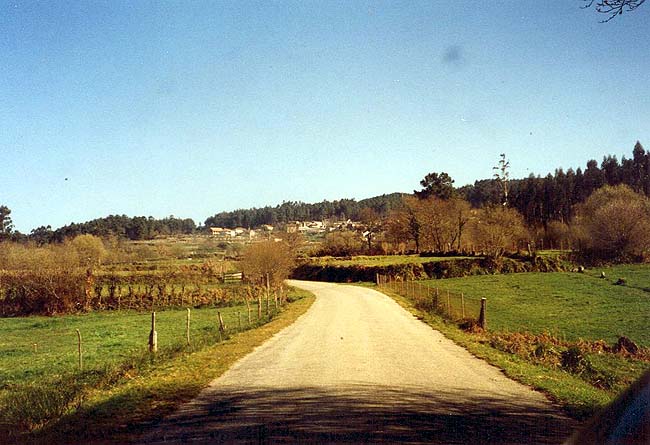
(435, 269)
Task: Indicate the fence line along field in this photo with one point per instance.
(39, 347)
(39, 356)
(446, 302)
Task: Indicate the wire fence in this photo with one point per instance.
(451, 305)
(32, 345)
(48, 366)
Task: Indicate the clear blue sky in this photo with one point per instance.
(190, 108)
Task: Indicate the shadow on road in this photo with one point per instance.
(359, 413)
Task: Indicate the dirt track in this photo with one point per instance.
(358, 368)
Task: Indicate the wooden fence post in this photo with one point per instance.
(239, 319)
(81, 361)
(482, 322)
(153, 335)
(448, 303)
(222, 326)
(187, 327)
(268, 295)
(462, 303)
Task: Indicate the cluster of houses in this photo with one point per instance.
(265, 230)
(239, 233)
(315, 227)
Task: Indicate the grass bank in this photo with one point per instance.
(113, 399)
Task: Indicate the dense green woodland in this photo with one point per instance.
(539, 199)
(299, 211)
(134, 228)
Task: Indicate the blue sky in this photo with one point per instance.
(190, 108)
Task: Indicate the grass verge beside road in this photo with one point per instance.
(116, 407)
(578, 397)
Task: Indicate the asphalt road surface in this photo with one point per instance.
(358, 368)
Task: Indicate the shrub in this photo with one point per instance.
(496, 229)
(614, 224)
(341, 243)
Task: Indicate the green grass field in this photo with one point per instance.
(36, 347)
(40, 382)
(568, 305)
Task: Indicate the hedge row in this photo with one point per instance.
(430, 270)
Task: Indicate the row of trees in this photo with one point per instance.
(613, 224)
(434, 224)
(603, 213)
(143, 228)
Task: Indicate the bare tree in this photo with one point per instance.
(613, 7)
(372, 224)
(398, 232)
(342, 243)
(432, 223)
(496, 229)
(613, 223)
(268, 260)
(502, 175)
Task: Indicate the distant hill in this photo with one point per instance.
(299, 211)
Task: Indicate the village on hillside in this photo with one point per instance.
(265, 231)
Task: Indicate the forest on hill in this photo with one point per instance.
(288, 211)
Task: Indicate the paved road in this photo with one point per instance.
(359, 368)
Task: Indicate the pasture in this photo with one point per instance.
(33, 348)
(568, 305)
(40, 379)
